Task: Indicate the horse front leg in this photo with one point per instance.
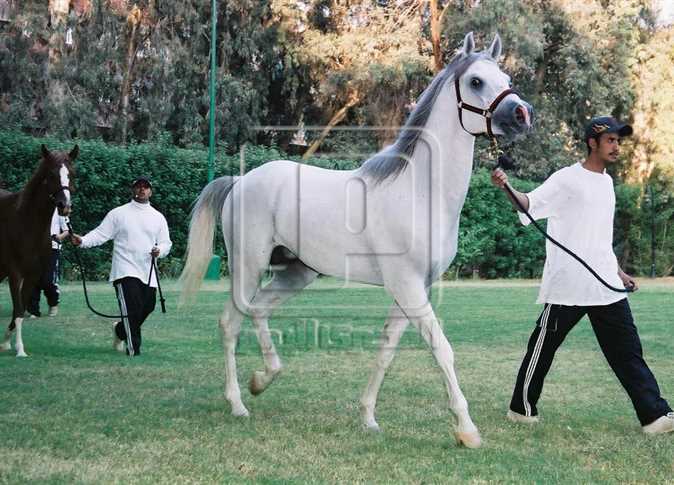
(395, 326)
(414, 303)
(15, 286)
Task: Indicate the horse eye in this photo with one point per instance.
(476, 82)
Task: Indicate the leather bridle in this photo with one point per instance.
(61, 189)
(487, 113)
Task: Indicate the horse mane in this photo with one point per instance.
(393, 159)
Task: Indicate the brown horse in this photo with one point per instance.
(25, 218)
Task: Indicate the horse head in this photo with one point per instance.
(486, 102)
(57, 170)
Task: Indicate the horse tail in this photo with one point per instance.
(204, 216)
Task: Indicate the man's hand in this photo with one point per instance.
(155, 252)
(62, 236)
(628, 281)
(499, 178)
(76, 239)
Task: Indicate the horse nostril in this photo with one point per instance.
(522, 115)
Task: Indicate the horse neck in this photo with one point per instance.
(34, 205)
(446, 155)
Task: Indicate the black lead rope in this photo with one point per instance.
(84, 281)
(153, 265)
(506, 162)
(86, 293)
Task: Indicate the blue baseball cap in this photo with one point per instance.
(606, 124)
(138, 180)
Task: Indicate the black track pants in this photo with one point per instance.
(48, 284)
(136, 302)
(619, 341)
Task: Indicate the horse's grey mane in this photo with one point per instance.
(393, 159)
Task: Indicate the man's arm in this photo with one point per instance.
(500, 180)
(102, 234)
(163, 243)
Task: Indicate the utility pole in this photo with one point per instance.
(213, 271)
(651, 197)
(211, 89)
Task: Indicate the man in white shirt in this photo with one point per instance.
(49, 280)
(140, 233)
(579, 203)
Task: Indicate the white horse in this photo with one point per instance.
(393, 222)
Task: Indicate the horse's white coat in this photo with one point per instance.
(401, 233)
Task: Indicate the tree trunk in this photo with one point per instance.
(354, 99)
(58, 12)
(133, 20)
(435, 36)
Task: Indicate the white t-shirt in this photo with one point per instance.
(135, 228)
(579, 205)
(58, 225)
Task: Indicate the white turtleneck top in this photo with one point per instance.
(135, 229)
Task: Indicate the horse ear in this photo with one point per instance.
(45, 152)
(468, 45)
(73, 153)
(495, 48)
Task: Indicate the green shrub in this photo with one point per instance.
(492, 242)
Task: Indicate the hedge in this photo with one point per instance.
(492, 242)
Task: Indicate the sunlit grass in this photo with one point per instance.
(76, 411)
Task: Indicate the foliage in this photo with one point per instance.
(492, 241)
(567, 73)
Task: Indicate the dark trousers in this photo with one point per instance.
(619, 341)
(136, 302)
(48, 284)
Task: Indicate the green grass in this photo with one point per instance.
(75, 411)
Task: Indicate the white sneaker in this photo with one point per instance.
(521, 418)
(664, 424)
(53, 311)
(117, 344)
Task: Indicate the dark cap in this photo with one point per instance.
(606, 124)
(138, 180)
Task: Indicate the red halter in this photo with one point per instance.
(487, 113)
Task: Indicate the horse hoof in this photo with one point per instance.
(257, 384)
(240, 412)
(468, 439)
(372, 428)
(5, 346)
(21, 354)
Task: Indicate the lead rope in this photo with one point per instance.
(84, 281)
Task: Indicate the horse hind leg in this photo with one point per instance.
(247, 269)
(230, 325)
(285, 284)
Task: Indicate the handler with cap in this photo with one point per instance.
(579, 203)
(140, 233)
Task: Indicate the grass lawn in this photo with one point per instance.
(76, 411)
